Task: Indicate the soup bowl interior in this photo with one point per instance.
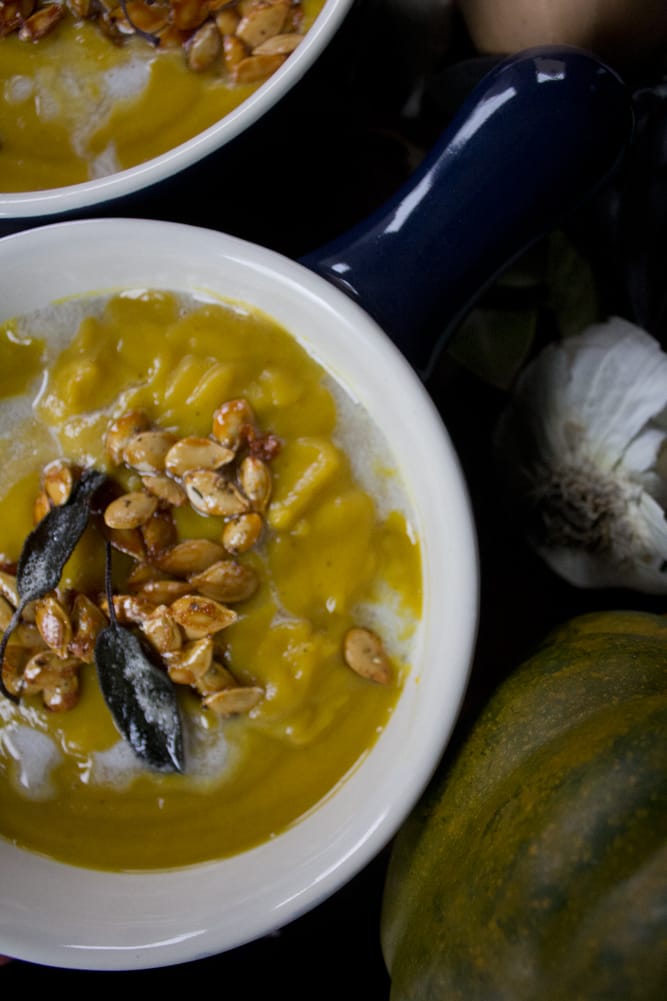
(67, 916)
(74, 198)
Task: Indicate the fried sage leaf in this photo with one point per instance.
(47, 549)
(140, 696)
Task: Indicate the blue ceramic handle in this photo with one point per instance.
(534, 138)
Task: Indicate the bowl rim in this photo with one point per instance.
(342, 834)
(72, 197)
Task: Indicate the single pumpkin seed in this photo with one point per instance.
(196, 453)
(146, 451)
(161, 592)
(28, 636)
(88, 622)
(12, 15)
(13, 664)
(149, 18)
(54, 624)
(41, 507)
(159, 532)
(229, 421)
(6, 613)
(9, 588)
(226, 581)
(261, 22)
(241, 533)
(161, 630)
(278, 44)
(233, 53)
(252, 69)
(166, 490)
(131, 510)
(211, 493)
(121, 431)
(365, 654)
(186, 665)
(47, 670)
(58, 480)
(199, 616)
(214, 679)
(188, 14)
(42, 22)
(255, 481)
(128, 609)
(204, 47)
(233, 701)
(190, 557)
(126, 540)
(226, 20)
(142, 573)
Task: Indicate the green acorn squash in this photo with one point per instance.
(535, 866)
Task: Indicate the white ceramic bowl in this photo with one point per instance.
(23, 205)
(63, 916)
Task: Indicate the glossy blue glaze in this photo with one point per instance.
(532, 141)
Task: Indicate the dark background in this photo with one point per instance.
(333, 150)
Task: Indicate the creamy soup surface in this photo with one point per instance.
(337, 550)
(74, 106)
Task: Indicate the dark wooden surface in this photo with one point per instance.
(335, 150)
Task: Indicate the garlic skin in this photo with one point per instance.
(582, 451)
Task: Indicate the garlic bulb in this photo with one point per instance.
(582, 448)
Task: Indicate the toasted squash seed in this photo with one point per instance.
(126, 540)
(226, 581)
(255, 481)
(161, 592)
(190, 557)
(87, 623)
(230, 419)
(199, 616)
(131, 510)
(166, 490)
(186, 665)
(159, 532)
(204, 47)
(57, 480)
(364, 652)
(147, 450)
(162, 631)
(41, 507)
(121, 430)
(54, 624)
(6, 612)
(278, 44)
(233, 701)
(214, 679)
(8, 588)
(211, 493)
(262, 21)
(241, 533)
(196, 453)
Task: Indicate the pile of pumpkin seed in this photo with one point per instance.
(247, 39)
(178, 592)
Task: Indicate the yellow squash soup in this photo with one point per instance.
(333, 558)
(87, 98)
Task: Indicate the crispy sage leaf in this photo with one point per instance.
(47, 549)
(140, 696)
